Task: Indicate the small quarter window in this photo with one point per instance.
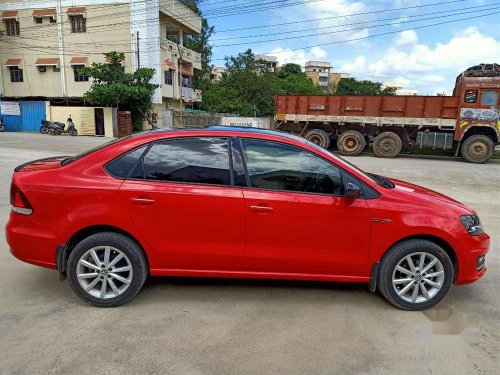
(120, 168)
(470, 96)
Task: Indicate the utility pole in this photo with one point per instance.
(179, 63)
(60, 43)
(138, 55)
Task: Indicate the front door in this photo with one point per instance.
(182, 201)
(99, 121)
(297, 219)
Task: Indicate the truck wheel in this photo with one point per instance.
(318, 137)
(351, 143)
(477, 148)
(387, 145)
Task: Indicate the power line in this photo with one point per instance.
(155, 40)
(375, 35)
(345, 30)
(339, 16)
(349, 24)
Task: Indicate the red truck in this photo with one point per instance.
(467, 122)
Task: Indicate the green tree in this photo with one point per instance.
(248, 87)
(288, 69)
(352, 86)
(300, 84)
(111, 86)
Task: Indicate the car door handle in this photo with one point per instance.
(142, 200)
(260, 208)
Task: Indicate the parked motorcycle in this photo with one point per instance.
(2, 125)
(58, 128)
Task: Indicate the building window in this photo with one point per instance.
(52, 20)
(16, 74)
(38, 20)
(78, 24)
(42, 68)
(56, 69)
(169, 76)
(79, 75)
(187, 81)
(12, 27)
(323, 79)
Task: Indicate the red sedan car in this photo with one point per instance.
(232, 202)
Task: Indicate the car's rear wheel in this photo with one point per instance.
(107, 269)
(415, 274)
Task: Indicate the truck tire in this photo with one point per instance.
(318, 137)
(477, 148)
(387, 145)
(351, 143)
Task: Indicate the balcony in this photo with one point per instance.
(191, 95)
(181, 52)
(181, 14)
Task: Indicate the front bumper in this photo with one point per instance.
(471, 249)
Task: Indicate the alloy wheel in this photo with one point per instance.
(418, 277)
(104, 272)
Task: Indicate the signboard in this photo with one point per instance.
(10, 108)
(247, 122)
(470, 96)
(479, 114)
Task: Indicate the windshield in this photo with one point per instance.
(379, 180)
(92, 150)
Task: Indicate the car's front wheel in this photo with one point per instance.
(107, 269)
(415, 274)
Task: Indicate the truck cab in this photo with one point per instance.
(478, 121)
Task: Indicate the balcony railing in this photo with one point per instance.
(182, 14)
(182, 52)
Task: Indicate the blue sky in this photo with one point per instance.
(426, 59)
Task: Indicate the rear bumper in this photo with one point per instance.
(472, 247)
(33, 243)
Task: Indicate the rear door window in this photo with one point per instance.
(189, 160)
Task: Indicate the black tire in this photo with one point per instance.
(351, 143)
(396, 254)
(477, 148)
(73, 132)
(44, 129)
(2, 128)
(387, 145)
(318, 137)
(124, 244)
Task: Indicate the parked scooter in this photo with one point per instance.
(2, 125)
(58, 128)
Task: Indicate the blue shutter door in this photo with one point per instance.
(32, 114)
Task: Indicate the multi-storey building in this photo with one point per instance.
(44, 43)
(319, 72)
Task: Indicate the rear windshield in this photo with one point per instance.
(92, 150)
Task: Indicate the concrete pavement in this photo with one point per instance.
(199, 326)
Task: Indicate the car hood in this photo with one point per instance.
(41, 164)
(427, 194)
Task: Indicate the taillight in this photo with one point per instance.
(19, 202)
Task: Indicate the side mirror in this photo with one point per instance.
(352, 191)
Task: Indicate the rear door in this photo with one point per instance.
(181, 198)
(297, 218)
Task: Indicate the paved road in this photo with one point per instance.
(178, 326)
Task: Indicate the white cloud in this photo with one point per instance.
(426, 66)
(300, 56)
(407, 37)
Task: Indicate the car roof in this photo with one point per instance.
(227, 129)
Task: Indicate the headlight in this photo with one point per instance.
(472, 224)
